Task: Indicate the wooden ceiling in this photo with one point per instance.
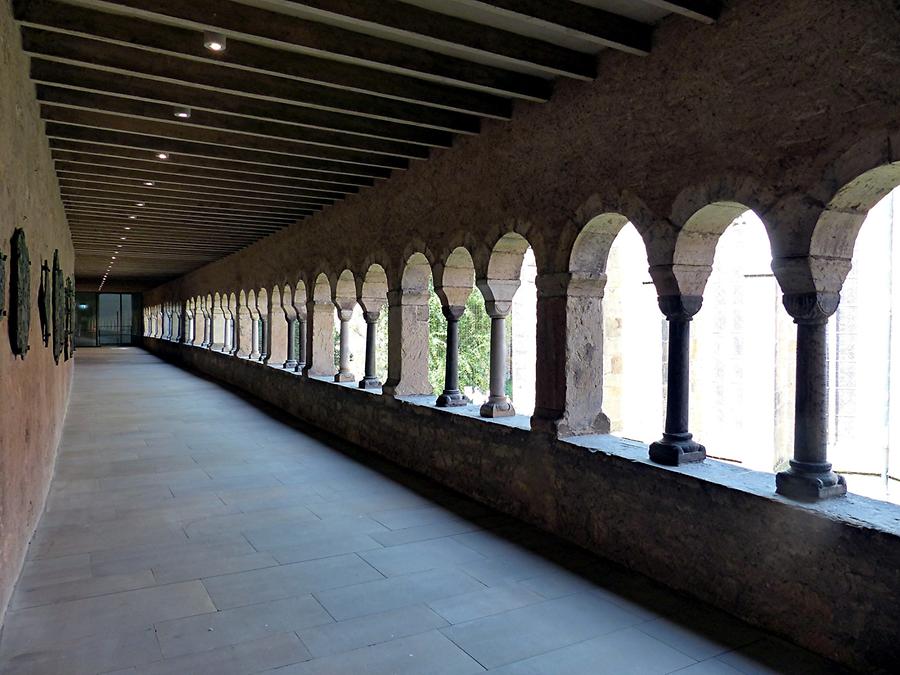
(310, 101)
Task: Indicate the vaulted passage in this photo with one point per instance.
(230, 541)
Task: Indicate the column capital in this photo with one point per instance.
(680, 307)
(371, 317)
(498, 309)
(345, 314)
(453, 312)
(811, 308)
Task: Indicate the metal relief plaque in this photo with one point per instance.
(59, 308)
(69, 346)
(20, 295)
(44, 302)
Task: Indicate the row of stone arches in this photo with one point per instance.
(569, 316)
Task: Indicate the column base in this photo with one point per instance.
(804, 483)
(452, 398)
(299, 367)
(289, 364)
(498, 408)
(370, 383)
(344, 377)
(676, 449)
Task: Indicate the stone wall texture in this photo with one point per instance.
(824, 576)
(34, 392)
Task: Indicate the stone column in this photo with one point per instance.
(263, 338)
(291, 361)
(370, 380)
(301, 345)
(810, 477)
(407, 344)
(254, 337)
(320, 339)
(677, 445)
(498, 403)
(207, 333)
(452, 396)
(343, 374)
(244, 333)
(276, 337)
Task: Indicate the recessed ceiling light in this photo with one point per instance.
(182, 112)
(127, 228)
(149, 183)
(214, 42)
(123, 238)
(114, 257)
(139, 203)
(118, 245)
(162, 155)
(133, 217)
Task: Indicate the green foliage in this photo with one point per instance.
(474, 344)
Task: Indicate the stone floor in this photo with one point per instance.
(191, 531)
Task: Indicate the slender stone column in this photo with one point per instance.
(301, 344)
(677, 445)
(291, 362)
(498, 403)
(810, 477)
(452, 396)
(254, 339)
(370, 380)
(263, 339)
(344, 374)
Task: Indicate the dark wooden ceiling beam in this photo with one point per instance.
(85, 171)
(128, 200)
(159, 196)
(78, 100)
(222, 240)
(115, 223)
(175, 189)
(184, 131)
(207, 166)
(98, 81)
(150, 144)
(75, 204)
(131, 61)
(261, 26)
(705, 11)
(588, 23)
(182, 42)
(403, 20)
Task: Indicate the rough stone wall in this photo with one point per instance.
(34, 392)
(824, 576)
(776, 106)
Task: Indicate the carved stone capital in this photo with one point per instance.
(452, 312)
(371, 317)
(498, 309)
(811, 308)
(680, 307)
(345, 314)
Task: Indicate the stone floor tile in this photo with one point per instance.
(521, 633)
(244, 658)
(186, 570)
(425, 532)
(234, 590)
(395, 592)
(624, 652)
(772, 656)
(419, 556)
(345, 636)
(325, 546)
(219, 629)
(484, 602)
(429, 653)
(81, 588)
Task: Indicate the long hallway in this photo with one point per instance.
(189, 530)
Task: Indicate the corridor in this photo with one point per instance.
(189, 530)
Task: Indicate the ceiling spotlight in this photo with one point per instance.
(149, 183)
(132, 217)
(182, 112)
(118, 245)
(123, 238)
(162, 155)
(127, 228)
(114, 257)
(214, 42)
(139, 203)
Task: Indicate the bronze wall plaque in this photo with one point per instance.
(44, 302)
(59, 308)
(20, 295)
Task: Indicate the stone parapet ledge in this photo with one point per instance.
(824, 575)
